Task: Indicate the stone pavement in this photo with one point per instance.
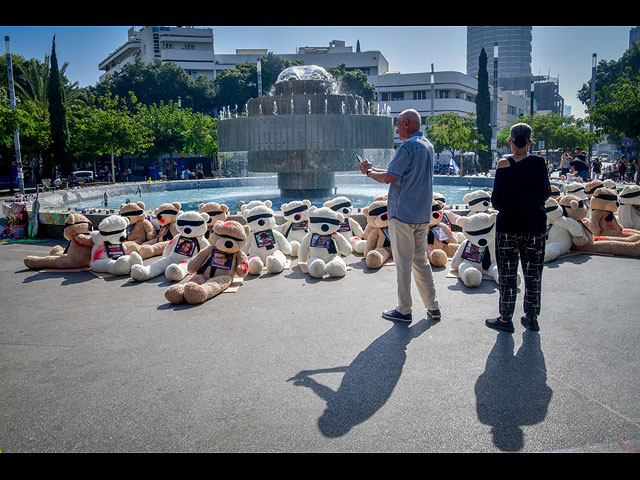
(293, 364)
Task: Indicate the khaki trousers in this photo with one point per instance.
(409, 246)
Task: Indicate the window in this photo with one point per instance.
(395, 96)
(420, 95)
(189, 46)
(443, 93)
(384, 96)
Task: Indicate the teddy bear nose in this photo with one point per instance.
(436, 215)
(482, 242)
(228, 244)
(384, 217)
(187, 230)
(325, 227)
(297, 216)
(261, 222)
(122, 238)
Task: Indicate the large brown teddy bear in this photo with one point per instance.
(217, 213)
(602, 221)
(166, 215)
(140, 230)
(77, 254)
(377, 250)
(215, 266)
(441, 241)
(576, 209)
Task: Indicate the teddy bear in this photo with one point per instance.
(560, 231)
(214, 267)
(478, 201)
(377, 250)
(139, 230)
(350, 228)
(602, 220)
(266, 245)
(166, 215)
(441, 241)
(592, 186)
(476, 255)
(555, 191)
(323, 246)
(296, 223)
(216, 211)
(77, 254)
(629, 209)
(575, 188)
(576, 209)
(107, 254)
(189, 241)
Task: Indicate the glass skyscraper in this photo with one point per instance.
(514, 54)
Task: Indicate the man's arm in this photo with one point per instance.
(377, 174)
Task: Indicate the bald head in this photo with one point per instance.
(408, 123)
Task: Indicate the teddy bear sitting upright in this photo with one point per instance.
(441, 241)
(189, 240)
(478, 201)
(214, 267)
(77, 254)
(217, 213)
(323, 246)
(296, 223)
(476, 255)
(107, 254)
(629, 210)
(560, 231)
(378, 247)
(350, 228)
(139, 230)
(166, 215)
(266, 245)
(602, 220)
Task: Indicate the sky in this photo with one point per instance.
(559, 51)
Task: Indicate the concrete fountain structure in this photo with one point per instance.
(306, 130)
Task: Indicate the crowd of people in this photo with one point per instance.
(624, 170)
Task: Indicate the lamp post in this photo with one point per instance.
(533, 89)
(16, 136)
(594, 61)
(259, 66)
(433, 82)
(495, 92)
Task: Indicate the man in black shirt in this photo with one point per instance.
(580, 165)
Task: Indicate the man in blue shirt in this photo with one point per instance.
(410, 179)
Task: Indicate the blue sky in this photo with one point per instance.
(561, 51)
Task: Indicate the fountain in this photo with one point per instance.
(306, 131)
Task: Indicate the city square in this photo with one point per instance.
(228, 290)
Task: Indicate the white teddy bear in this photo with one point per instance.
(296, 223)
(266, 245)
(577, 189)
(560, 231)
(629, 209)
(476, 254)
(186, 244)
(349, 228)
(322, 247)
(107, 253)
(478, 201)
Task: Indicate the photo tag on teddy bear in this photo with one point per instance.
(473, 253)
(114, 251)
(300, 226)
(320, 241)
(441, 233)
(265, 239)
(185, 246)
(445, 220)
(220, 259)
(129, 230)
(344, 227)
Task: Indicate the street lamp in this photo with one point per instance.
(16, 136)
(433, 82)
(495, 91)
(594, 61)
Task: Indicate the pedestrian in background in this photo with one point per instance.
(410, 180)
(520, 190)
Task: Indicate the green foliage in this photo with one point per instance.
(354, 82)
(452, 132)
(58, 118)
(483, 111)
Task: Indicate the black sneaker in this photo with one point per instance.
(395, 315)
(530, 323)
(499, 324)
(433, 315)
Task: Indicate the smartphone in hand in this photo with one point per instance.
(359, 158)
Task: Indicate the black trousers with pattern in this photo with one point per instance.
(511, 250)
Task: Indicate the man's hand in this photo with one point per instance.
(365, 165)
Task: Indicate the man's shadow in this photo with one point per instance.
(513, 390)
(367, 383)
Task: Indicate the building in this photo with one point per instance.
(188, 47)
(452, 92)
(546, 95)
(634, 36)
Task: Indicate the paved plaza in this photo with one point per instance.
(293, 364)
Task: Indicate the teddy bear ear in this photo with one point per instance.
(340, 217)
(122, 205)
(205, 216)
(365, 211)
(245, 212)
(247, 230)
(201, 207)
(307, 202)
(283, 207)
(224, 208)
(313, 209)
(268, 203)
(141, 205)
(573, 204)
(178, 205)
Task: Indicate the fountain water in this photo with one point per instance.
(305, 131)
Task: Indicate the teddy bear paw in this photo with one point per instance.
(175, 293)
(438, 258)
(336, 269)
(194, 293)
(316, 268)
(255, 266)
(140, 272)
(174, 272)
(472, 277)
(275, 264)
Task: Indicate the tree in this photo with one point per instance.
(453, 132)
(354, 82)
(58, 118)
(109, 125)
(483, 111)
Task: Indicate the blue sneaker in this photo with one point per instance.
(395, 315)
(433, 315)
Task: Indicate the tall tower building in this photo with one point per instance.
(514, 54)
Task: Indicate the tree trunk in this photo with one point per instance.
(113, 168)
